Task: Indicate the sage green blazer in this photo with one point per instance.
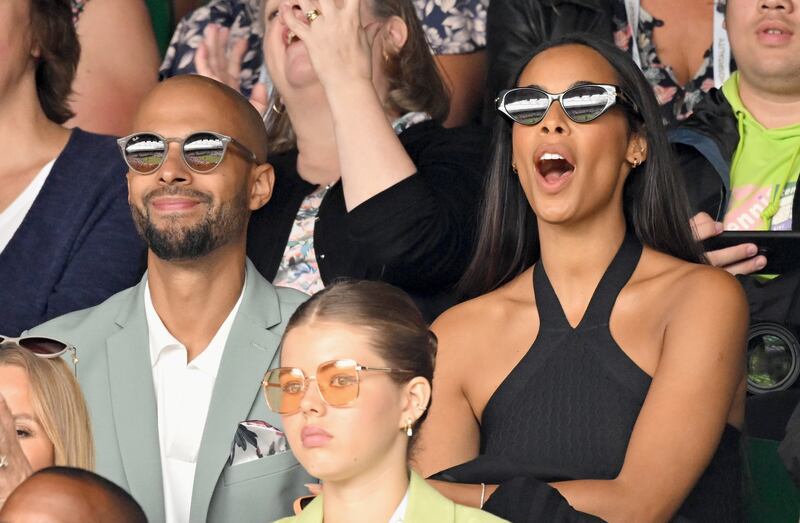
(425, 505)
(116, 376)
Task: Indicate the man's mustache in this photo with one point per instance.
(177, 191)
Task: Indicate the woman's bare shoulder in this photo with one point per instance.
(476, 321)
(693, 284)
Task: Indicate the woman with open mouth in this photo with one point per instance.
(368, 184)
(589, 378)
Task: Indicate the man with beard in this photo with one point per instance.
(172, 367)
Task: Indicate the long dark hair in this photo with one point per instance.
(655, 204)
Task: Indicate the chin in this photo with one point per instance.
(300, 72)
(554, 214)
(328, 468)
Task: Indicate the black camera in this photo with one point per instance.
(773, 357)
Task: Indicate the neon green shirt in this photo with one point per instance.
(764, 171)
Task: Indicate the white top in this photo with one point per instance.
(400, 511)
(11, 218)
(183, 393)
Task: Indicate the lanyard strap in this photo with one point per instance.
(720, 49)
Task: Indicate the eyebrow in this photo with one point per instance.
(25, 417)
(573, 84)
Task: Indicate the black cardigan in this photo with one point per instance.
(417, 234)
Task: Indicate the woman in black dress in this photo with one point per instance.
(606, 380)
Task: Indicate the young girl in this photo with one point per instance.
(353, 389)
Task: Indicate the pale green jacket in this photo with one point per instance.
(425, 505)
(116, 376)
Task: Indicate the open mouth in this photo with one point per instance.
(553, 166)
(774, 30)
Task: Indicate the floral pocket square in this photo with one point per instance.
(256, 439)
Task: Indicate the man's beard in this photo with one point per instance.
(174, 241)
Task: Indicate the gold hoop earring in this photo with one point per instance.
(409, 430)
(636, 162)
(514, 168)
(275, 106)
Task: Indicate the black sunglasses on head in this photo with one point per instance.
(582, 103)
(202, 151)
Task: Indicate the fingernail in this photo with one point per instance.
(752, 250)
(719, 227)
(761, 262)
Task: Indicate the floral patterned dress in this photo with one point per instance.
(677, 101)
(77, 8)
(451, 27)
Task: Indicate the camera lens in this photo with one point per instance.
(773, 358)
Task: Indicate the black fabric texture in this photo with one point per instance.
(567, 411)
(417, 234)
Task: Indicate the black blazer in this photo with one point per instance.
(417, 234)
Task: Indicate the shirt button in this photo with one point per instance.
(321, 256)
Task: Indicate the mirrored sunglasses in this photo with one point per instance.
(582, 103)
(42, 347)
(337, 381)
(202, 151)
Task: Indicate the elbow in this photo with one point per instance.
(636, 506)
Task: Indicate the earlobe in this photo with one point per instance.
(637, 151)
(263, 183)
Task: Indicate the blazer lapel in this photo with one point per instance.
(134, 404)
(249, 351)
(426, 504)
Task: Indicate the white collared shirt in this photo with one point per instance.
(183, 393)
(400, 511)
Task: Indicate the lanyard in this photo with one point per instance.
(720, 49)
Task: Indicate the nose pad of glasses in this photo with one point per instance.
(312, 400)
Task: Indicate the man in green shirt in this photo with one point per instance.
(740, 151)
(740, 156)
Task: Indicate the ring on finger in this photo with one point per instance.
(312, 15)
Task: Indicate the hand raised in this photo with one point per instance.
(739, 259)
(337, 44)
(213, 58)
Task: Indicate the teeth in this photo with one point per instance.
(774, 31)
(290, 37)
(551, 156)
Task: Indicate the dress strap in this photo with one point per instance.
(619, 271)
(616, 277)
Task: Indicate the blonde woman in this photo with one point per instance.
(43, 417)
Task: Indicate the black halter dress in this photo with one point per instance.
(567, 410)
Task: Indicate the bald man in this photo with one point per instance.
(70, 495)
(172, 367)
